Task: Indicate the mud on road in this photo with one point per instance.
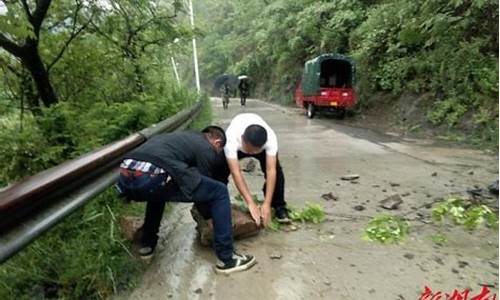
(330, 260)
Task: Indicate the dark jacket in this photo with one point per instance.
(183, 155)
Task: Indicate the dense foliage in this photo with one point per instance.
(85, 257)
(78, 75)
(447, 50)
(102, 70)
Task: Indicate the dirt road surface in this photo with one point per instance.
(330, 260)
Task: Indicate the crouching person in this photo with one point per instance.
(177, 167)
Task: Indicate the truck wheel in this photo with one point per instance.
(341, 113)
(311, 110)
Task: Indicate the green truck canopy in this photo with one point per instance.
(327, 70)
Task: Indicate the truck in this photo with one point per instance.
(327, 84)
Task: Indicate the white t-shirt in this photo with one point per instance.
(236, 129)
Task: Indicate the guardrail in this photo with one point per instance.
(34, 205)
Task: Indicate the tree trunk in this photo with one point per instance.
(33, 62)
(139, 77)
(28, 93)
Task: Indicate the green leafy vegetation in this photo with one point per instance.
(311, 213)
(83, 257)
(78, 75)
(461, 212)
(386, 229)
(238, 200)
(466, 213)
(439, 238)
(445, 49)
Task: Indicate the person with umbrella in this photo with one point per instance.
(224, 84)
(244, 88)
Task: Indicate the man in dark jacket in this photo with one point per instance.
(179, 167)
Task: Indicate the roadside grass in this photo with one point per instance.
(83, 257)
(204, 118)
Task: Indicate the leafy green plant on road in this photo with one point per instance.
(439, 238)
(311, 213)
(386, 229)
(462, 212)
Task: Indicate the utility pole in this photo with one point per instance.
(195, 54)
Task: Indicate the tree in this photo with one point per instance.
(20, 36)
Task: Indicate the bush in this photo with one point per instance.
(82, 258)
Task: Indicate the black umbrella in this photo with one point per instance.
(231, 80)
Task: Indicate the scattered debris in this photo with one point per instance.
(350, 177)
(391, 202)
(462, 264)
(329, 196)
(275, 256)
(250, 166)
(130, 227)
(438, 260)
(493, 188)
(405, 194)
(409, 256)
(326, 237)
(359, 207)
(478, 194)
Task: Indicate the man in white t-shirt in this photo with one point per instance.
(249, 135)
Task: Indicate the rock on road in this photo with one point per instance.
(330, 260)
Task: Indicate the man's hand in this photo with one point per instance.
(265, 211)
(255, 212)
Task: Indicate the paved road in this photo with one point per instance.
(330, 260)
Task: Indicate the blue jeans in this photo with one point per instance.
(209, 193)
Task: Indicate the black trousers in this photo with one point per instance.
(279, 189)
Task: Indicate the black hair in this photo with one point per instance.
(255, 135)
(215, 132)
